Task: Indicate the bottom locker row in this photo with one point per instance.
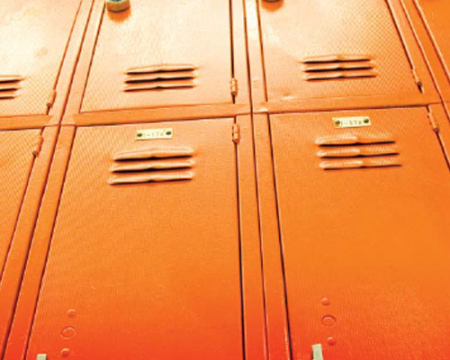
(145, 257)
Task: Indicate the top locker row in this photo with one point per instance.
(186, 59)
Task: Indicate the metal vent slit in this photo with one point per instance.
(161, 77)
(334, 67)
(152, 165)
(9, 85)
(349, 151)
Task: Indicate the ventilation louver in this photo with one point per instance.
(9, 85)
(356, 152)
(338, 67)
(161, 77)
(152, 165)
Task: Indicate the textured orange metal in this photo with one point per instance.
(165, 65)
(348, 53)
(16, 162)
(182, 277)
(362, 277)
(266, 222)
(32, 53)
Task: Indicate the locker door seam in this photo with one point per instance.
(241, 273)
(404, 46)
(44, 268)
(286, 301)
(92, 57)
(69, 40)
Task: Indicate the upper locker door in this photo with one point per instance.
(436, 15)
(332, 49)
(16, 161)
(33, 37)
(365, 231)
(162, 53)
(142, 266)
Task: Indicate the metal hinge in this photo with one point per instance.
(51, 99)
(416, 77)
(433, 122)
(317, 352)
(236, 134)
(38, 147)
(234, 87)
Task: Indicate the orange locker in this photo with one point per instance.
(350, 49)
(16, 161)
(168, 53)
(363, 204)
(145, 254)
(32, 52)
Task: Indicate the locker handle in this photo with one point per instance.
(153, 153)
(162, 176)
(152, 165)
(364, 151)
(360, 163)
(351, 139)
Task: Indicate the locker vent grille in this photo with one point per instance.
(152, 165)
(161, 77)
(9, 85)
(357, 152)
(334, 67)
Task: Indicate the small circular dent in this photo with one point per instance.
(68, 332)
(329, 320)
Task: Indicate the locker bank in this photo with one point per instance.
(241, 179)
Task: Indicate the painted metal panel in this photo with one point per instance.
(334, 49)
(141, 266)
(162, 53)
(436, 14)
(365, 232)
(32, 52)
(16, 161)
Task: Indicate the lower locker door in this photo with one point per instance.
(144, 260)
(16, 161)
(365, 231)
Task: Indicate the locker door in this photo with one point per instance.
(31, 52)
(436, 14)
(16, 161)
(365, 233)
(162, 53)
(141, 266)
(330, 49)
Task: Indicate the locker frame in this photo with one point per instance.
(429, 48)
(241, 105)
(277, 313)
(259, 89)
(62, 82)
(253, 306)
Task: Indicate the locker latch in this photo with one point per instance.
(234, 87)
(317, 353)
(51, 99)
(236, 134)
